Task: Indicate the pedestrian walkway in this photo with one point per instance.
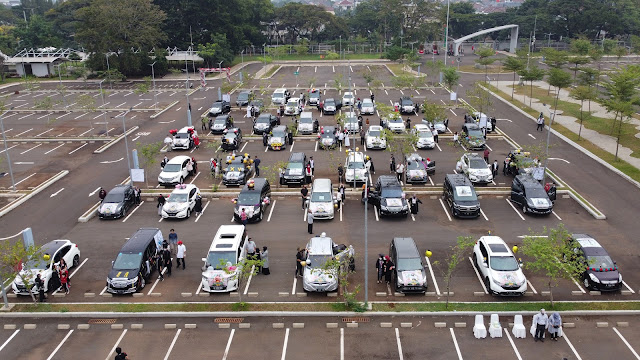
(605, 142)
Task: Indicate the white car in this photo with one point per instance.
(348, 99)
(483, 120)
(498, 267)
(180, 202)
(174, 171)
(355, 171)
(351, 122)
(183, 138)
(220, 271)
(322, 201)
(424, 137)
(51, 253)
(305, 124)
(280, 96)
(374, 138)
(368, 107)
(395, 124)
(293, 107)
(317, 276)
(475, 168)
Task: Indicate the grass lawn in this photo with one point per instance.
(397, 69)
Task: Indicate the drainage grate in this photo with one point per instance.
(101, 321)
(356, 319)
(228, 320)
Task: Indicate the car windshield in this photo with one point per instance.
(249, 198)
(415, 165)
(536, 193)
(293, 165)
(181, 136)
(352, 120)
(391, 192)
(464, 193)
(318, 261)
(36, 264)
(277, 95)
(317, 196)
(366, 102)
(409, 264)
(220, 259)
(504, 263)
(262, 119)
(127, 261)
(600, 261)
(355, 165)
(329, 103)
(407, 102)
(219, 122)
(177, 198)
(425, 135)
(477, 164)
(172, 168)
(314, 95)
(216, 105)
(114, 197)
(475, 133)
(243, 96)
(348, 96)
(292, 103)
(374, 133)
(278, 133)
(235, 167)
(396, 121)
(306, 120)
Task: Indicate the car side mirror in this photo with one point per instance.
(306, 202)
(112, 262)
(204, 260)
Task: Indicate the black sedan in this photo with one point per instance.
(602, 273)
(115, 205)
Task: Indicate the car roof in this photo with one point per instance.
(586, 241)
(375, 127)
(405, 98)
(496, 245)
(348, 92)
(528, 181)
(406, 247)
(187, 188)
(139, 240)
(459, 180)
(52, 246)
(258, 183)
(245, 92)
(388, 180)
(222, 117)
(185, 129)
(279, 90)
(328, 127)
(472, 155)
(294, 99)
(297, 157)
(367, 100)
(119, 189)
(471, 126)
(329, 99)
(421, 127)
(306, 114)
(227, 237)
(320, 245)
(320, 183)
(350, 114)
(414, 157)
(178, 159)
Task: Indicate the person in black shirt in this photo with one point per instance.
(299, 259)
(166, 258)
(121, 355)
(40, 284)
(304, 192)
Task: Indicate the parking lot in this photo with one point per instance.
(402, 337)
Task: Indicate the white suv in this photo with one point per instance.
(180, 202)
(498, 267)
(51, 253)
(475, 168)
(280, 96)
(375, 138)
(174, 171)
(354, 168)
(348, 99)
(424, 136)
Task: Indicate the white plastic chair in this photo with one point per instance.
(479, 330)
(495, 329)
(519, 331)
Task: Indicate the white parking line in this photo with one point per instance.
(454, 114)
(78, 148)
(490, 149)
(564, 335)
(627, 343)
(438, 146)
(44, 132)
(375, 211)
(173, 343)
(316, 149)
(246, 288)
(291, 148)
(132, 211)
(244, 146)
(483, 215)
(25, 116)
(431, 181)
(433, 277)
(623, 283)
(62, 133)
(273, 205)
(514, 209)
(24, 132)
(60, 345)
(556, 215)
(578, 285)
(295, 282)
(401, 356)
(433, 92)
(194, 178)
(156, 282)
(515, 349)
(103, 290)
(9, 339)
(266, 148)
(341, 343)
(57, 147)
(16, 184)
(341, 203)
(79, 116)
(531, 286)
(455, 343)
(203, 209)
(412, 217)
(284, 346)
(445, 210)
(417, 92)
(124, 332)
(97, 116)
(26, 151)
(479, 278)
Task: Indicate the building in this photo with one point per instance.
(40, 62)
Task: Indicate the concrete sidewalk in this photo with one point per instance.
(605, 142)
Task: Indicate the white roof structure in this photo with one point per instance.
(174, 54)
(43, 56)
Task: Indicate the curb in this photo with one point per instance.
(104, 147)
(89, 214)
(163, 110)
(34, 192)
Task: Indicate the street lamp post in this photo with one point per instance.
(104, 114)
(340, 46)
(126, 143)
(153, 78)
(109, 71)
(552, 116)
(242, 57)
(4, 139)
(446, 36)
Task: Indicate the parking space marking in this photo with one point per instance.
(132, 211)
(438, 146)
(103, 290)
(433, 277)
(157, 280)
(295, 282)
(97, 116)
(26, 151)
(271, 211)
(564, 335)
(627, 343)
(173, 343)
(445, 210)
(194, 178)
(513, 345)
(60, 345)
(226, 350)
(59, 135)
(430, 180)
(113, 349)
(533, 137)
(483, 215)
(246, 288)
(454, 114)
(316, 149)
(341, 203)
(244, 146)
(375, 211)
(623, 283)
(266, 148)
(514, 209)
(401, 356)
(455, 343)
(78, 148)
(57, 147)
(479, 278)
(25, 116)
(531, 286)
(578, 285)
(556, 215)
(79, 116)
(63, 115)
(44, 132)
(9, 339)
(203, 209)
(490, 149)
(6, 131)
(291, 148)
(386, 92)
(16, 184)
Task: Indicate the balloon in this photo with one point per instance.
(515, 249)
(47, 257)
(428, 253)
(303, 263)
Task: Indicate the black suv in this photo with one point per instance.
(253, 199)
(219, 107)
(220, 124)
(410, 275)
(460, 195)
(244, 97)
(264, 123)
(474, 136)
(294, 173)
(388, 197)
(231, 139)
(528, 193)
(406, 105)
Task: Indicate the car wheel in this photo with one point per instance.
(124, 211)
(188, 213)
(141, 283)
(524, 209)
(487, 284)
(586, 284)
(76, 261)
(475, 260)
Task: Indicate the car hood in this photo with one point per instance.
(396, 125)
(123, 274)
(358, 173)
(108, 208)
(305, 126)
(233, 174)
(321, 207)
(175, 206)
(248, 209)
(219, 277)
(329, 107)
(169, 175)
(375, 140)
(327, 140)
(417, 173)
(509, 278)
(293, 172)
(275, 140)
(180, 141)
(30, 275)
(412, 277)
(393, 202)
(319, 276)
(612, 275)
(540, 202)
(261, 125)
(480, 172)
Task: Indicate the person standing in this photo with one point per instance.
(312, 164)
(157, 258)
(400, 171)
(166, 259)
(347, 141)
(168, 141)
(102, 194)
(435, 134)
(243, 217)
(40, 284)
(251, 248)
(256, 162)
(455, 138)
(121, 355)
(388, 267)
(264, 255)
(341, 192)
(64, 277)
(340, 174)
(494, 168)
(540, 123)
(505, 165)
(392, 164)
(555, 325)
(372, 97)
(362, 142)
(180, 255)
(380, 267)
(161, 201)
(486, 154)
(408, 126)
(310, 222)
(541, 321)
(340, 138)
(414, 204)
(308, 173)
(173, 239)
(299, 260)
(204, 123)
(136, 193)
(265, 138)
(197, 207)
(304, 192)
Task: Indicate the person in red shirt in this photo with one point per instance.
(64, 279)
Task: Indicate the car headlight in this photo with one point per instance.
(593, 278)
(383, 207)
(473, 176)
(108, 281)
(496, 282)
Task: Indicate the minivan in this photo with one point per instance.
(460, 195)
(409, 273)
(294, 173)
(322, 200)
(220, 269)
(134, 264)
(253, 199)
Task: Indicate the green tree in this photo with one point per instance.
(560, 80)
(12, 255)
(553, 255)
(274, 171)
(577, 61)
(532, 74)
(554, 59)
(217, 50)
(433, 111)
(583, 93)
(148, 154)
(338, 82)
(590, 77)
(621, 96)
(339, 267)
(479, 98)
(450, 77)
(36, 33)
(47, 104)
(143, 87)
(400, 143)
(485, 59)
(581, 46)
(457, 254)
(619, 52)
(513, 64)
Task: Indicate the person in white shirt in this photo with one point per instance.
(435, 134)
(180, 255)
(167, 142)
(400, 171)
(455, 138)
(250, 247)
(541, 321)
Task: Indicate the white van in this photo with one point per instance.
(322, 199)
(220, 271)
(280, 96)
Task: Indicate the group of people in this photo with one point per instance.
(384, 267)
(254, 253)
(163, 257)
(541, 322)
(59, 280)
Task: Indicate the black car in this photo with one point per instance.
(294, 173)
(528, 193)
(238, 171)
(253, 199)
(264, 123)
(220, 124)
(460, 195)
(327, 137)
(134, 264)
(410, 275)
(602, 273)
(388, 197)
(219, 107)
(231, 139)
(258, 105)
(117, 202)
(406, 105)
(520, 163)
(474, 136)
(244, 97)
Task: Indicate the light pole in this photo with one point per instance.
(153, 78)
(104, 114)
(552, 116)
(264, 55)
(186, 68)
(242, 57)
(340, 46)
(60, 79)
(4, 138)
(126, 143)
(446, 36)
(109, 71)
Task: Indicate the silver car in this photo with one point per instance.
(319, 274)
